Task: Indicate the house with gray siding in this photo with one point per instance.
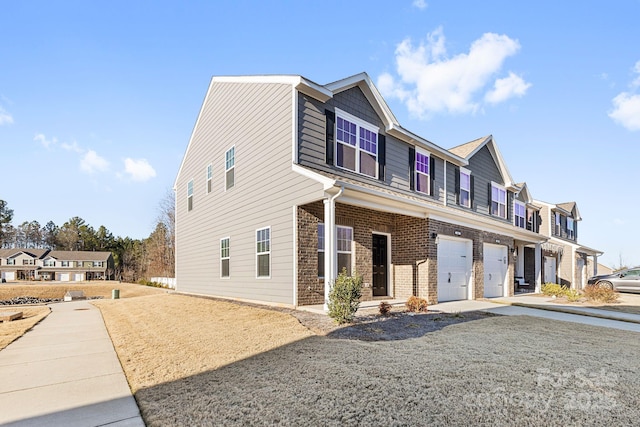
(62, 266)
(286, 182)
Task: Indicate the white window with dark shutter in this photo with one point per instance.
(356, 144)
(519, 214)
(423, 174)
(465, 188)
(190, 195)
(558, 224)
(230, 167)
(571, 234)
(263, 253)
(225, 257)
(320, 250)
(498, 200)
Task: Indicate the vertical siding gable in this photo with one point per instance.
(484, 170)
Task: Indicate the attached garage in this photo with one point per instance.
(9, 275)
(78, 277)
(63, 277)
(495, 270)
(455, 264)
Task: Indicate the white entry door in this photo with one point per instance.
(495, 270)
(455, 260)
(549, 269)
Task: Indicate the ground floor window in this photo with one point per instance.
(321, 250)
(344, 248)
(225, 252)
(263, 252)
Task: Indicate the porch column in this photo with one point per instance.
(538, 267)
(520, 260)
(595, 265)
(330, 243)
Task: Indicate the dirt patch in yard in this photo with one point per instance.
(90, 289)
(11, 331)
(193, 361)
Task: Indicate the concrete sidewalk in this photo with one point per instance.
(65, 372)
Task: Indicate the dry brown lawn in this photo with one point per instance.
(194, 361)
(11, 331)
(91, 289)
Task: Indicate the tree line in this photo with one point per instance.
(135, 259)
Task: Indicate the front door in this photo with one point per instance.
(379, 249)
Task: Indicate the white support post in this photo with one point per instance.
(538, 267)
(330, 254)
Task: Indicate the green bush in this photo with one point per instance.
(599, 294)
(416, 304)
(344, 297)
(553, 289)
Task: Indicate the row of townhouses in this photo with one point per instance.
(286, 182)
(63, 266)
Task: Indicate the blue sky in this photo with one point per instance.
(98, 99)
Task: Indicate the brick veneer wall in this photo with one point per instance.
(414, 252)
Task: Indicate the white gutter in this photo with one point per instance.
(330, 242)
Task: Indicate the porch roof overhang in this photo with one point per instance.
(395, 202)
(589, 251)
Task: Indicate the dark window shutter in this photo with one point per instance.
(330, 140)
(412, 168)
(382, 155)
(456, 172)
(489, 198)
(509, 205)
(472, 191)
(432, 175)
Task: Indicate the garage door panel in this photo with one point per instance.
(454, 269)
(495, 270)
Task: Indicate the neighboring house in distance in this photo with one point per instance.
(63, 266)
(565, 261)
(602, 269)
(285, 182)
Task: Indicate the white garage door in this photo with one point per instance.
(455, 260)
(9, 275)
(64, 277)
(495, 270)
(78, 277)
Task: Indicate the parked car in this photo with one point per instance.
(625, 280)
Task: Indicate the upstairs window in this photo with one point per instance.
(65, 263)
(465, 188)
(422, 172)
(209, 177)
(190, 195)
(571, 231)
(98, 264)
(344, 248)
(11, 261)
(519, 214)
(78, 263)
(29, 261)
(498, 201)
(532, 219)
(225, 256)
(49, 263)
(229, 167)
(356, 145)
(558, 224)
(263, 252)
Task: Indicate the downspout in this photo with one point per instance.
(330, 254)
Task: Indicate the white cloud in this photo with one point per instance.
(5, 117)
(420, 4)
(72, 147)
(42, 139)
(139, 170)
(429, 81)
(626, 110)
(91, 162)
(626, 105)
(506, 88)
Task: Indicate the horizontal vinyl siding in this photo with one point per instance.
(257, 119)
(397, 164)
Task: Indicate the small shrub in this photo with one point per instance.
(384, 308)
(416, 304)
(553, 290)
(146, 282)
(572, 295)
(598, 294)
(344, 297)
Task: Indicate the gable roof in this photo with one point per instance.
(79, 255)
(34, 253)
(572, 208)
(469, 149)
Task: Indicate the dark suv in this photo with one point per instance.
(625, 280)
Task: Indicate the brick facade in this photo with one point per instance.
(414, 251)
